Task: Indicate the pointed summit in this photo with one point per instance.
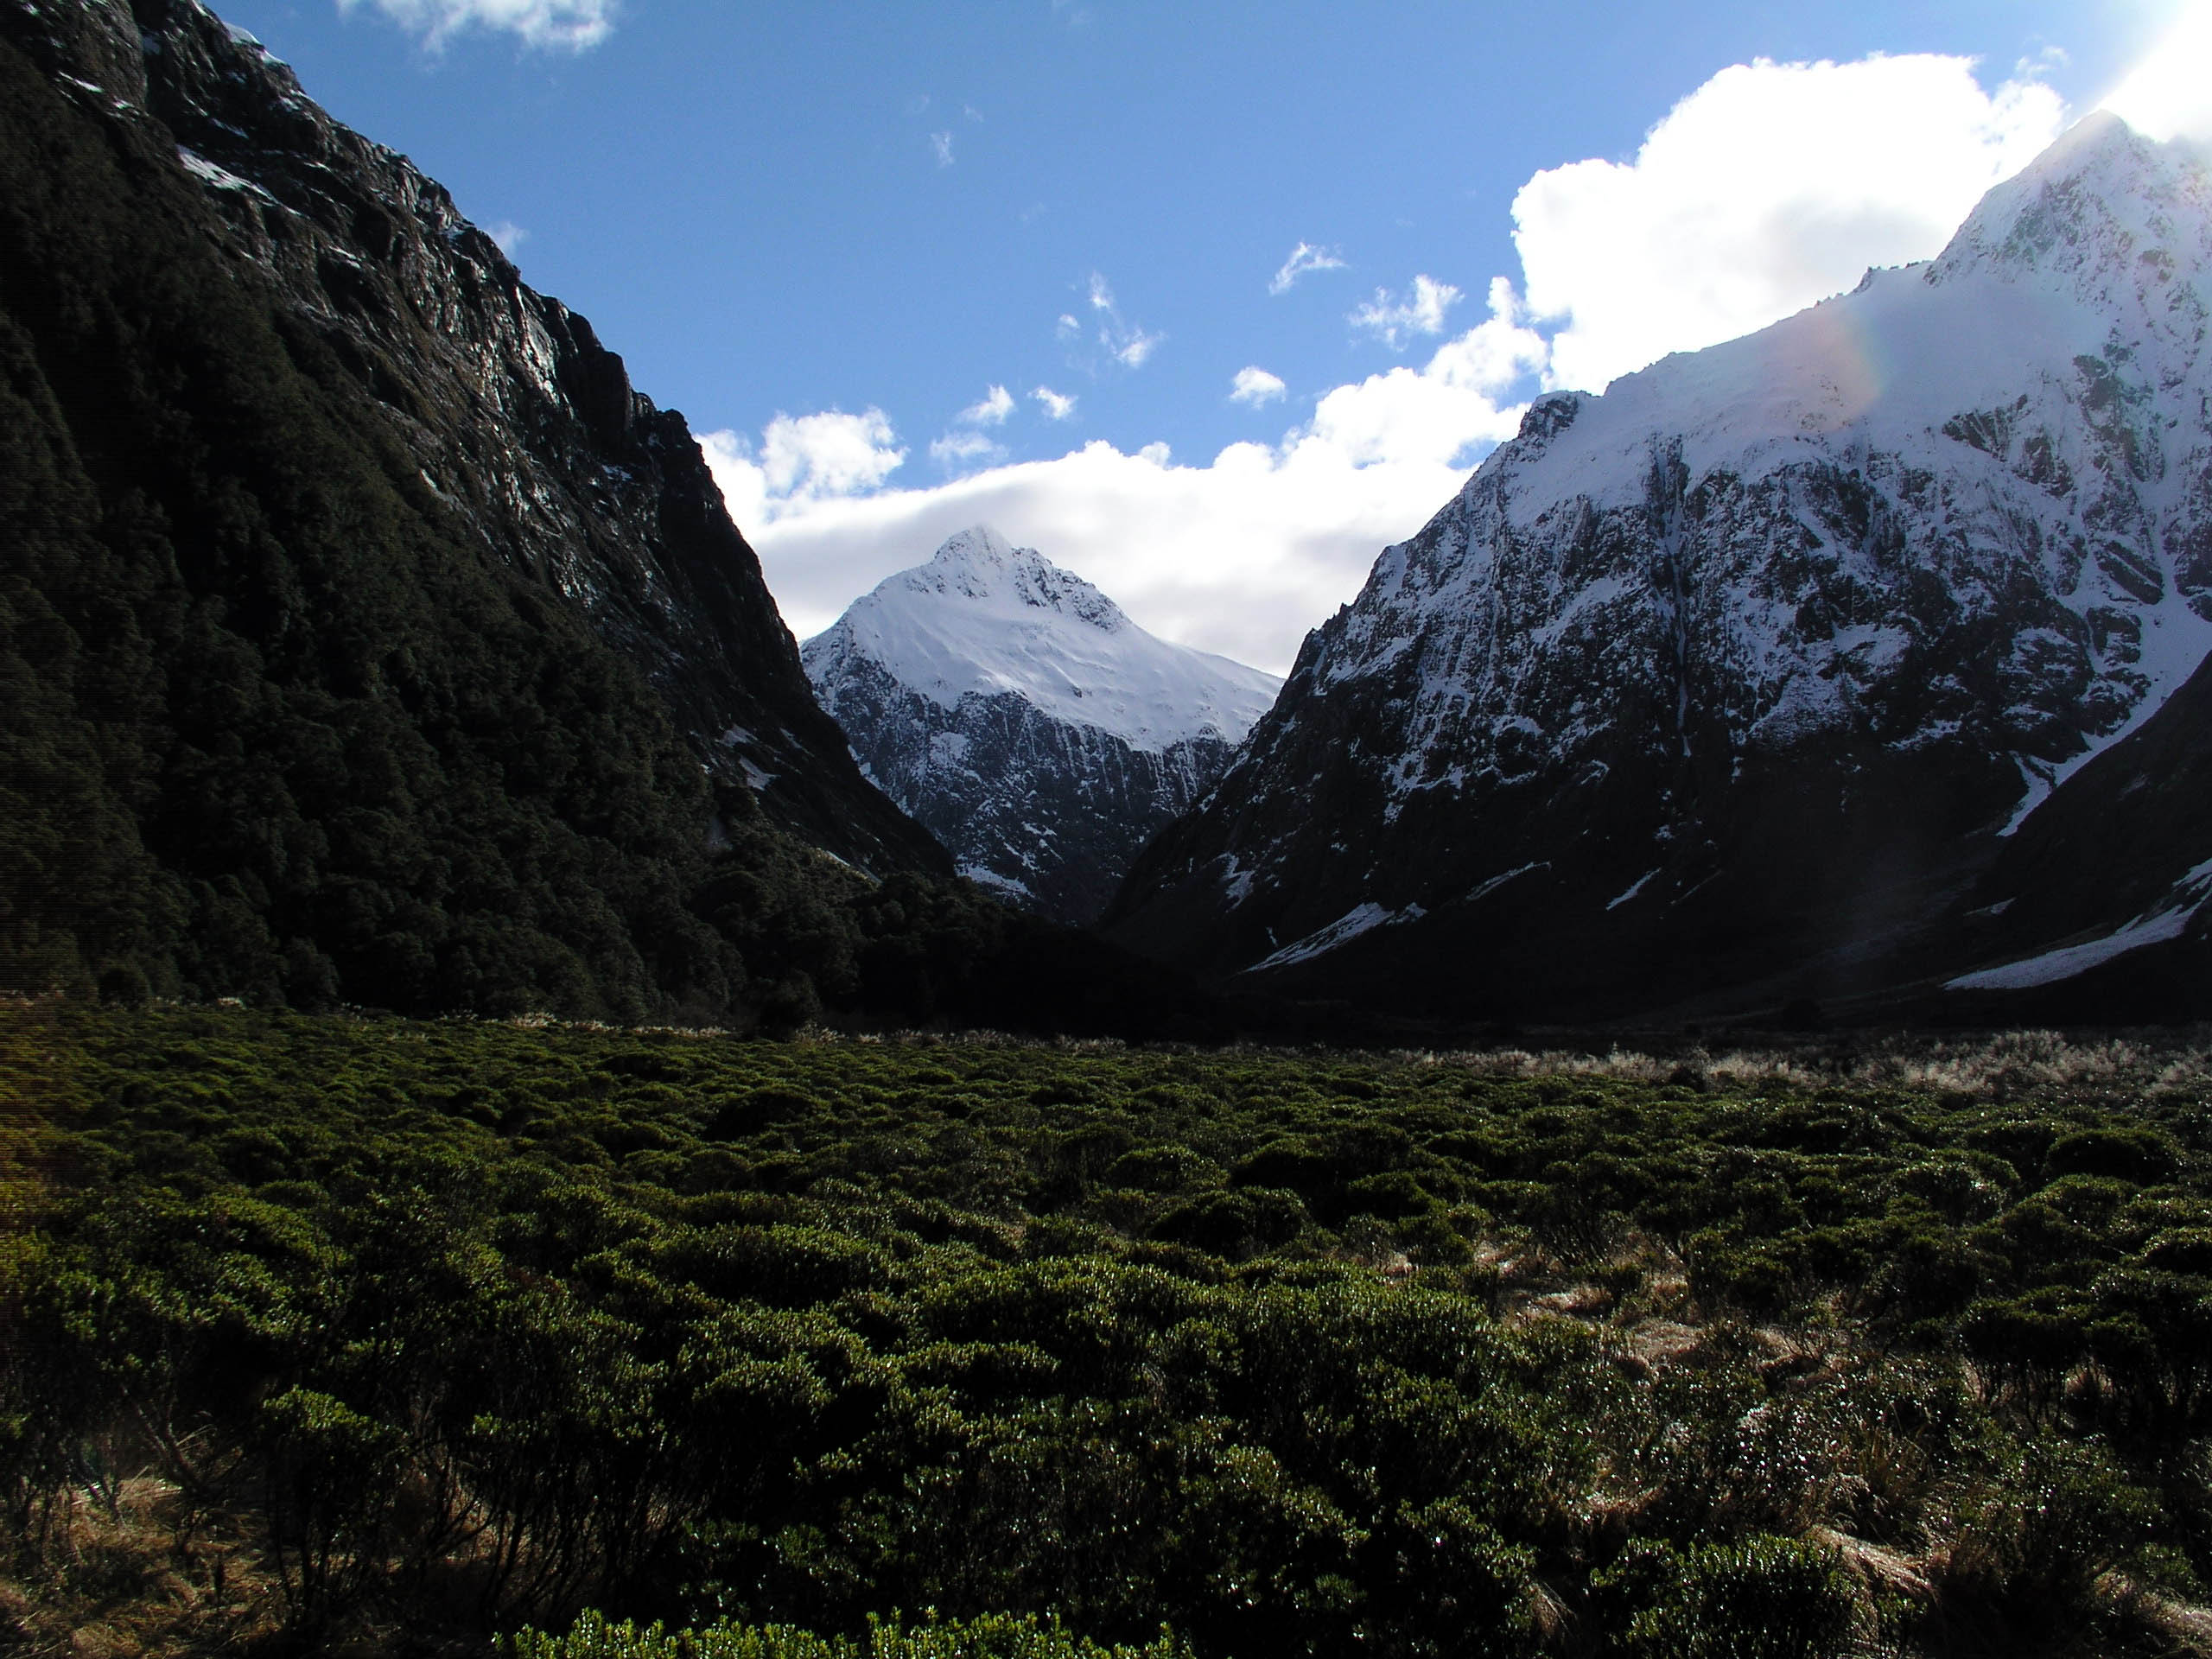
(1011, 706)
(980, 545)
(979, 564)
(2100, 202)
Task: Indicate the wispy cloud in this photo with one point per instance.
(997, 404)
(1133, 351)
(1397, 321)
(962, 451)
(941, 147)
(1056, 407)
(553, 25)
(1255, 386)
(1127, 343)
(1304, 258)
(508, 234)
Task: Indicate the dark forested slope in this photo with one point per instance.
(363, 634)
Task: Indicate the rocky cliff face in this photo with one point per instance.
(1013, 710)
(1728, 685)
(364, 636)
(527, 431)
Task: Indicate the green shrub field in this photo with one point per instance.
(337, 1334)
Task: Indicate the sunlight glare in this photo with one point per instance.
(2167, 94)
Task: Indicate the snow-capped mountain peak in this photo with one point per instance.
(1019, 714)
(1742, 668)
(983, 618)
(2102, 202)
(980, 565)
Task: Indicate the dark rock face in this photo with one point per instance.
(527, 433)
(2094, 910)
(1724, 688)
(363, 635)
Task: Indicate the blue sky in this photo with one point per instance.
(875, 216)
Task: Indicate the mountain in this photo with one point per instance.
(1013, 710)
(364, 636)
(1736, 684)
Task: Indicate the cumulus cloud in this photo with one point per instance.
(1304, 258)
(2169, 95)
(1057, 407)
(1240, 554)
(1255, 386)
(1771, 186)
(997, 404)
(801, 462)
(560, 25)
(1395, 322)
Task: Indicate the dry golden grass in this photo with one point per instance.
(142, 1580)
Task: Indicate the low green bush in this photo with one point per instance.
(991, 1636)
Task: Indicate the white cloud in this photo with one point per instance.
(997, 404)
(1067, 327)
(963, 451)
(1135, 347)
(1304, 258)
(508, 235)
(1771, 186)
(1255, 386)
(799, 462)
(941, 147)
(1056, 407)
(2169, 94)
(1240, 554)
(566, 25)
(1395, 322)
(1126, 342)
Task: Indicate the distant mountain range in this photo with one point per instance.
(1035, 730)
(1853, 662)
(365, 637)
